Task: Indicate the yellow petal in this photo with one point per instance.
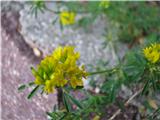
(67, 18)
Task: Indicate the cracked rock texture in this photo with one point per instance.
(17, 58)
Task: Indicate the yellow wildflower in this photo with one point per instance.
(152, 53)
(39, 81)
(49, 86)
(67, 18)
(97, 117)
(60, 69)
(104, 4)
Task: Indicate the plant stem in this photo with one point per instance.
(52, 11)
(103, 71)
(59, 97)
(126, 104)
(58, 12)
(114, 52)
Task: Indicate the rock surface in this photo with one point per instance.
(47, 36)
(17, 58)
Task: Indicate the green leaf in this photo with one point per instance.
(31, 83)
(21, 87)
(65, 101)
(112, 94)
(55, 107)
(61, 26)
(153, 81)
(76, 102)
(55, 20)
(50, 114)
(145, 87)
(33, 92)
(63, 116)
(79, 87)
(34, 72)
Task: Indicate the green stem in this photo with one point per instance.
(59, 97)
(115, 52)
(103, 71)
(52, 11)
(58, 12)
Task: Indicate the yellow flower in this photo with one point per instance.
(39, 81)
(49, 86)
(59, 78)
(96, 117)
(152, 53)
(74, 82)
(67, 18)
(104, 4)
(60, 69)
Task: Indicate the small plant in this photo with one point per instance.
(59, 71)
(138, 69)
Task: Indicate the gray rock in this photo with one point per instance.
(47, 36)
(11, 5)
(17, 58)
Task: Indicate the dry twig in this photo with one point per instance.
(126, 104)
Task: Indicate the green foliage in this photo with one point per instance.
(132, 19)
(66, 102)
(21, 87)
(155, 115)
(76, 102)
(33, 92)
(37, 6)
(135, 19)
(24, 86)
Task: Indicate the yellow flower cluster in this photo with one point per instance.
(104, 4)
(60, 69)
(152, 53)
(67, 18)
